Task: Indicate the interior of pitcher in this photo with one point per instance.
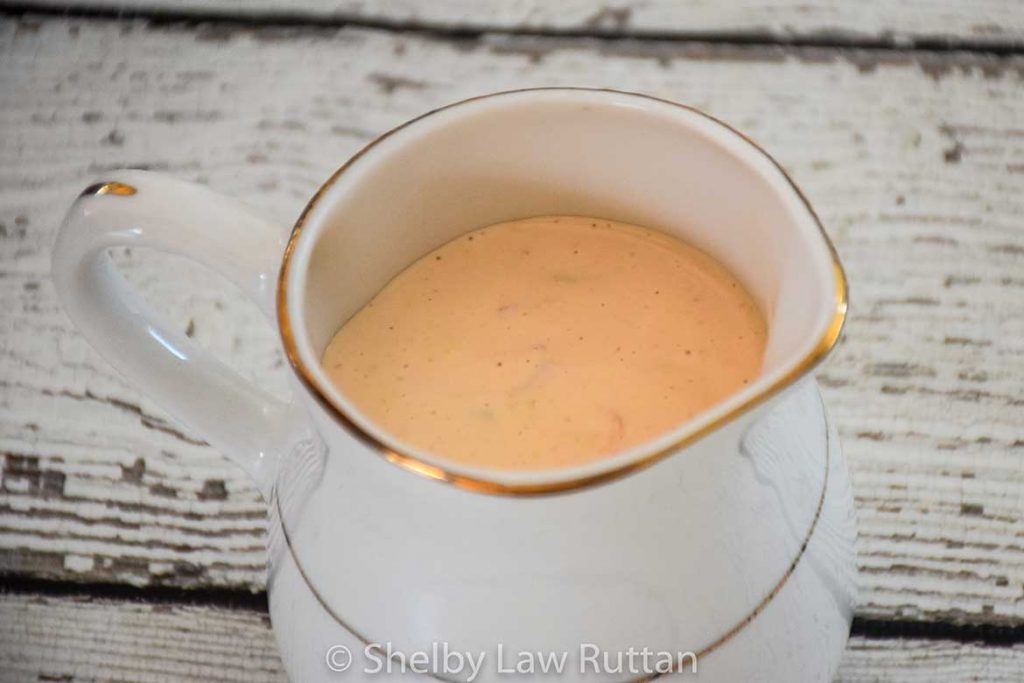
(602, 154)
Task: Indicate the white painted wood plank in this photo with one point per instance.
(981, 21)
(924, 661)
(92, 640)
(915, 163)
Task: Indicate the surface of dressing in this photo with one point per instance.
(548, 342)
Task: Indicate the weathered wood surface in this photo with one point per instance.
(994, 22)
(46, 638)
(85, 639)
(915, 162)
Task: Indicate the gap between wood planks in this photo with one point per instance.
(989, 634)
(228, 598)
(478, 30)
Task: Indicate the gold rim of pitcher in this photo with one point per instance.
(438, 472)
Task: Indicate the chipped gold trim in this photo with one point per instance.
(414, 464)
(119, 189)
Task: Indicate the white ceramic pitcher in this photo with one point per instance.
(729, 539)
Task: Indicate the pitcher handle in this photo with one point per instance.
(142, 209)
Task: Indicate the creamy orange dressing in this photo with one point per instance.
(548, 342)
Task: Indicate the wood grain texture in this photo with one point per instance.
(915, 162)
(994, 22)
(87, 640)
(91, 640)
(927, 661)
